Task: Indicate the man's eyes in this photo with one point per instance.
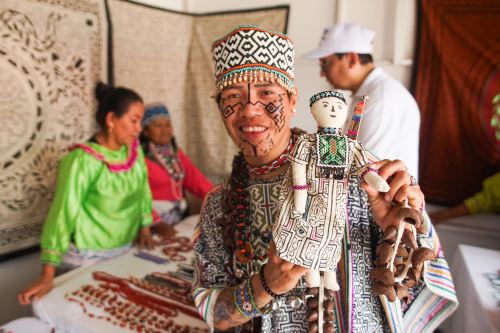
(232, 96)
(267, 93)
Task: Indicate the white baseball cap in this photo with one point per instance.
(343, 38)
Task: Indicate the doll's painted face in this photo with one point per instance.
(330, 112)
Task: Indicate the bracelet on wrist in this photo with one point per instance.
(264, 283)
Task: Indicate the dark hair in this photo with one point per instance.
(116, 100)
(364, 58)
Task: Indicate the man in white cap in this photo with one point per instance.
(391, 120)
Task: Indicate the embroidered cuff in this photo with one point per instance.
(147, 219)
(51, 256)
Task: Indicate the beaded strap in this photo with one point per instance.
(264, 283)
(243, 300)
(300, 187)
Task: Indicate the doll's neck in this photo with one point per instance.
(330, 130)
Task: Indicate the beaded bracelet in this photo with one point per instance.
(264, 283)
(363, 174)
(300, 187)
(243, 300)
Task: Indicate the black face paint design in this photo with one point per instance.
(273, 106)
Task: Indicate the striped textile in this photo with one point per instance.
(75, 257)
(435, 302)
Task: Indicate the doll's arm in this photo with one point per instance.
(299, 186)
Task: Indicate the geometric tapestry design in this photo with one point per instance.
(51, 55)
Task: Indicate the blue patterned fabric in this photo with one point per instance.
(153, 111)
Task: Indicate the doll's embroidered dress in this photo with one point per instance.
(314, 239)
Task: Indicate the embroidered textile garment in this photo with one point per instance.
(315, 242)
(167, 156)
(357, 309)
(75, 257)
(93, 207)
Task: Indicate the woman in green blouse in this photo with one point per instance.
(102, 199)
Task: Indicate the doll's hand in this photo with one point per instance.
(375, 181)
(145, 240)
(383, 209)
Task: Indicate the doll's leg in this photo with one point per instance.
(331, 281)
(312, 279)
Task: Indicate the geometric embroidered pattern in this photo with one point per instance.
(332, 150)
(248, 50)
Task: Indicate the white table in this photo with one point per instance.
(67, 316)
(478, 311)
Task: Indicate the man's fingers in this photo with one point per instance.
(398, 181)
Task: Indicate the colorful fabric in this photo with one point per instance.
(169, 212)
(164, 187)
(167, 156)
(95, 208)
(324, 94)
(75, 257)
(153, 111)
(250, 53)
(313, 240)
(332, 150)
(356, 309)
(488, 200)
(113, 167)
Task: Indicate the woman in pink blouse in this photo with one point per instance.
(170, 171)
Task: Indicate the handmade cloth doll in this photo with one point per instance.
(312, 218)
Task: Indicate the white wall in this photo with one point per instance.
(393, 20)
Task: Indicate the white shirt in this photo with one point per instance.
(390, 123)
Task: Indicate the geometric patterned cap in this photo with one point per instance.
(325, 94)
(250, 54)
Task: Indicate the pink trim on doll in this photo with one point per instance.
(363, 174)
(113, 167)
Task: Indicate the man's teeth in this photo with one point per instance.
(253, 129)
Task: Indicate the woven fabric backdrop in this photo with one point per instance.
(51, 54)
(166, 57)
(458, 77)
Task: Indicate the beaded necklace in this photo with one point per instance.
(273, 165)
(329, 130)
(240, 200)
(150, 314)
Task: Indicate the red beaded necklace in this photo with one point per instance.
(244, 252)
(271, 166)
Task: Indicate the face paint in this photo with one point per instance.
(256, 116)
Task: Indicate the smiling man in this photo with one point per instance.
(241, 283)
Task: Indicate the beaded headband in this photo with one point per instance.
(325, 94)
(252, 54)
(153, 111)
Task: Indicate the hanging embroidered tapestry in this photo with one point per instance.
(51, 55)
(458, 92)
(165, 56)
